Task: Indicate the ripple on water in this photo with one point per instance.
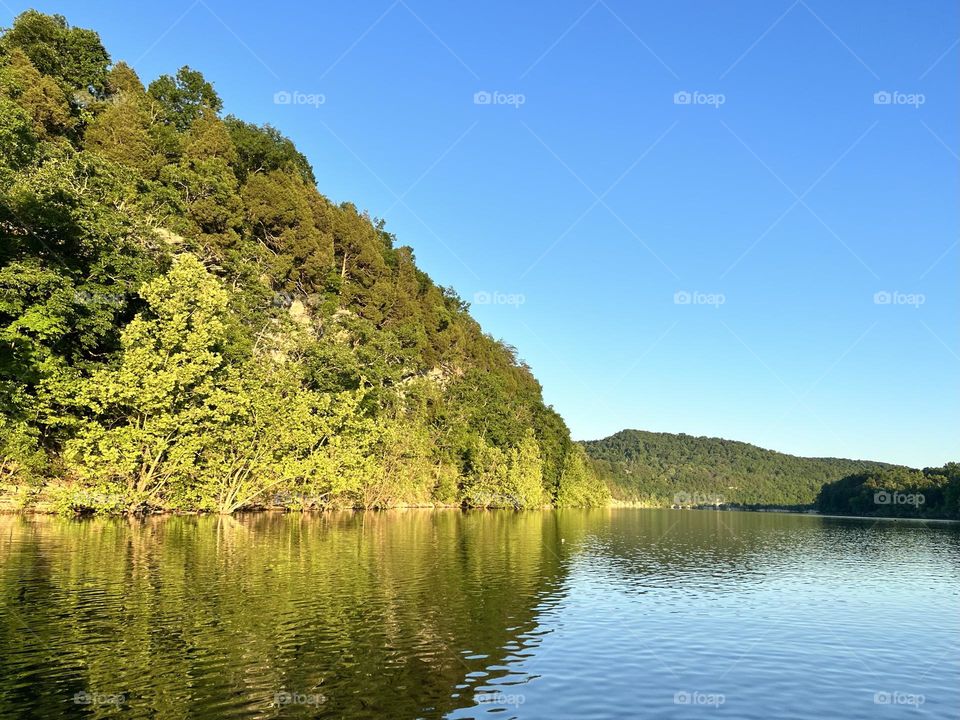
(420, 614)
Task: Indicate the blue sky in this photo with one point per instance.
(774, 260)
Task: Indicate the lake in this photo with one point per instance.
(614, 613)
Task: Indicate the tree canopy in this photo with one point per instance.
(895, 492)
(666, 469)
(187, 322)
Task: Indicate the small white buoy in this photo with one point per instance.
(562, 540)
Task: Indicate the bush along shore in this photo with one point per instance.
(188, 324)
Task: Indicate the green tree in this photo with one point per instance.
(524, 479)
(43, 100)
(283, 215)
(579, 486)
(266, 434)
(262, 149)
(208, 206)
(146, 418)
(122, 133)
(74, 56)
(183, 98)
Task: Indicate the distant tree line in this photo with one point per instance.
(896, 492)
(663, 469)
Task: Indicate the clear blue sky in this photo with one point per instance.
(794, 200)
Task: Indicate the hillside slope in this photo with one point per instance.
(186, 322)
(658, 467)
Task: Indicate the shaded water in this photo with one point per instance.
(617, 613)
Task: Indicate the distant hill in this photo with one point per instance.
(933, 492)
(663, 468)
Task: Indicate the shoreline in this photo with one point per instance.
(5, 510)
(807, 513)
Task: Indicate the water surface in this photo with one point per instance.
(619, 613)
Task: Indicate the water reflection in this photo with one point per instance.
(336, 615)
(604, 613)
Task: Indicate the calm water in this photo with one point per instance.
(574, 614)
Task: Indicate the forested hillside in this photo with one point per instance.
(662, 468)
(895, 492)
(186, 322)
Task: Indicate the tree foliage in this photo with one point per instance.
(895, 492)
(186, 322)
(579, 486)
(655, 468)
(73, 56)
